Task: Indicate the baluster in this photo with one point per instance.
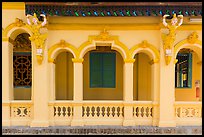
(176, 111)
(114, 111)
(139, 112)
(118, 111)
(133, 111)
(183, 112)
(71, 111)
(101, 111)
(68, 111)
(105, 111)
(61, 111)
(85, 111)
(147, 110)
(92, 111)
(98, 111)
(121, 112)
(95, 111)
(57, 111)
(144, 112)
(109, 112)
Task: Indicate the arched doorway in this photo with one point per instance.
(142, 77)
(103, 74)
(64, 76)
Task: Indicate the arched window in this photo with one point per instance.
(183, 69)
(22, 67)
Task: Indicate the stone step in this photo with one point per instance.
(103, 130)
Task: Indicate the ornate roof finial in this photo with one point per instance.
(174, 17)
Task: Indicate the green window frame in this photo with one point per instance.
(183, 70)
(102, 69)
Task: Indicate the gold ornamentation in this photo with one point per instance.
(19, 22)
(129, 60)
(37, 37)
(144, 44)
(63, 45)
(199, 63)
(103, 36)
(153, 61)
(192, 38)
(168, 39)
(51, 60)
(179, 46)
(77, 60)
(175, 61)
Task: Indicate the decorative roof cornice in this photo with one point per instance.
(113, 11)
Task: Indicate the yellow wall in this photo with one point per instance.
(189, 94)
(103, 93)
(142, 77)
(64, 76)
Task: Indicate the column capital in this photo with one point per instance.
(5, 39)
(77, 60)
(129, 60)
(153, 61)
(51, 60)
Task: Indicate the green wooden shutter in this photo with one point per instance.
(102, 70)
(95, 69)
(109, 70)
(190, 70)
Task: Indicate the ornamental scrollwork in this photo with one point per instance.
(18, 22)
(168, 39)
(192, 38)
(39, 39)
(103, 36)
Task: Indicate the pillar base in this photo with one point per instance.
(128, 122)
(155, 122)
(167, 124)
(6, 123)
(77, 122)
(35, 123)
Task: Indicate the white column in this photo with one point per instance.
(40, 91)
(167, 92)
(128, 93)
(7, 84)
(155, 92)
(78, 93)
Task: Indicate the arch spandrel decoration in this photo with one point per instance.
(18, 24)
(191, 41)
(54, 50)
(104, 37)
(145, 46)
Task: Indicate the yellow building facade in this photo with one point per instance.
(78, 71)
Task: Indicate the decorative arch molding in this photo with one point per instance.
(54, 50)
(147, 48)
(190, 42)
(17, 25)
(104, 37)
